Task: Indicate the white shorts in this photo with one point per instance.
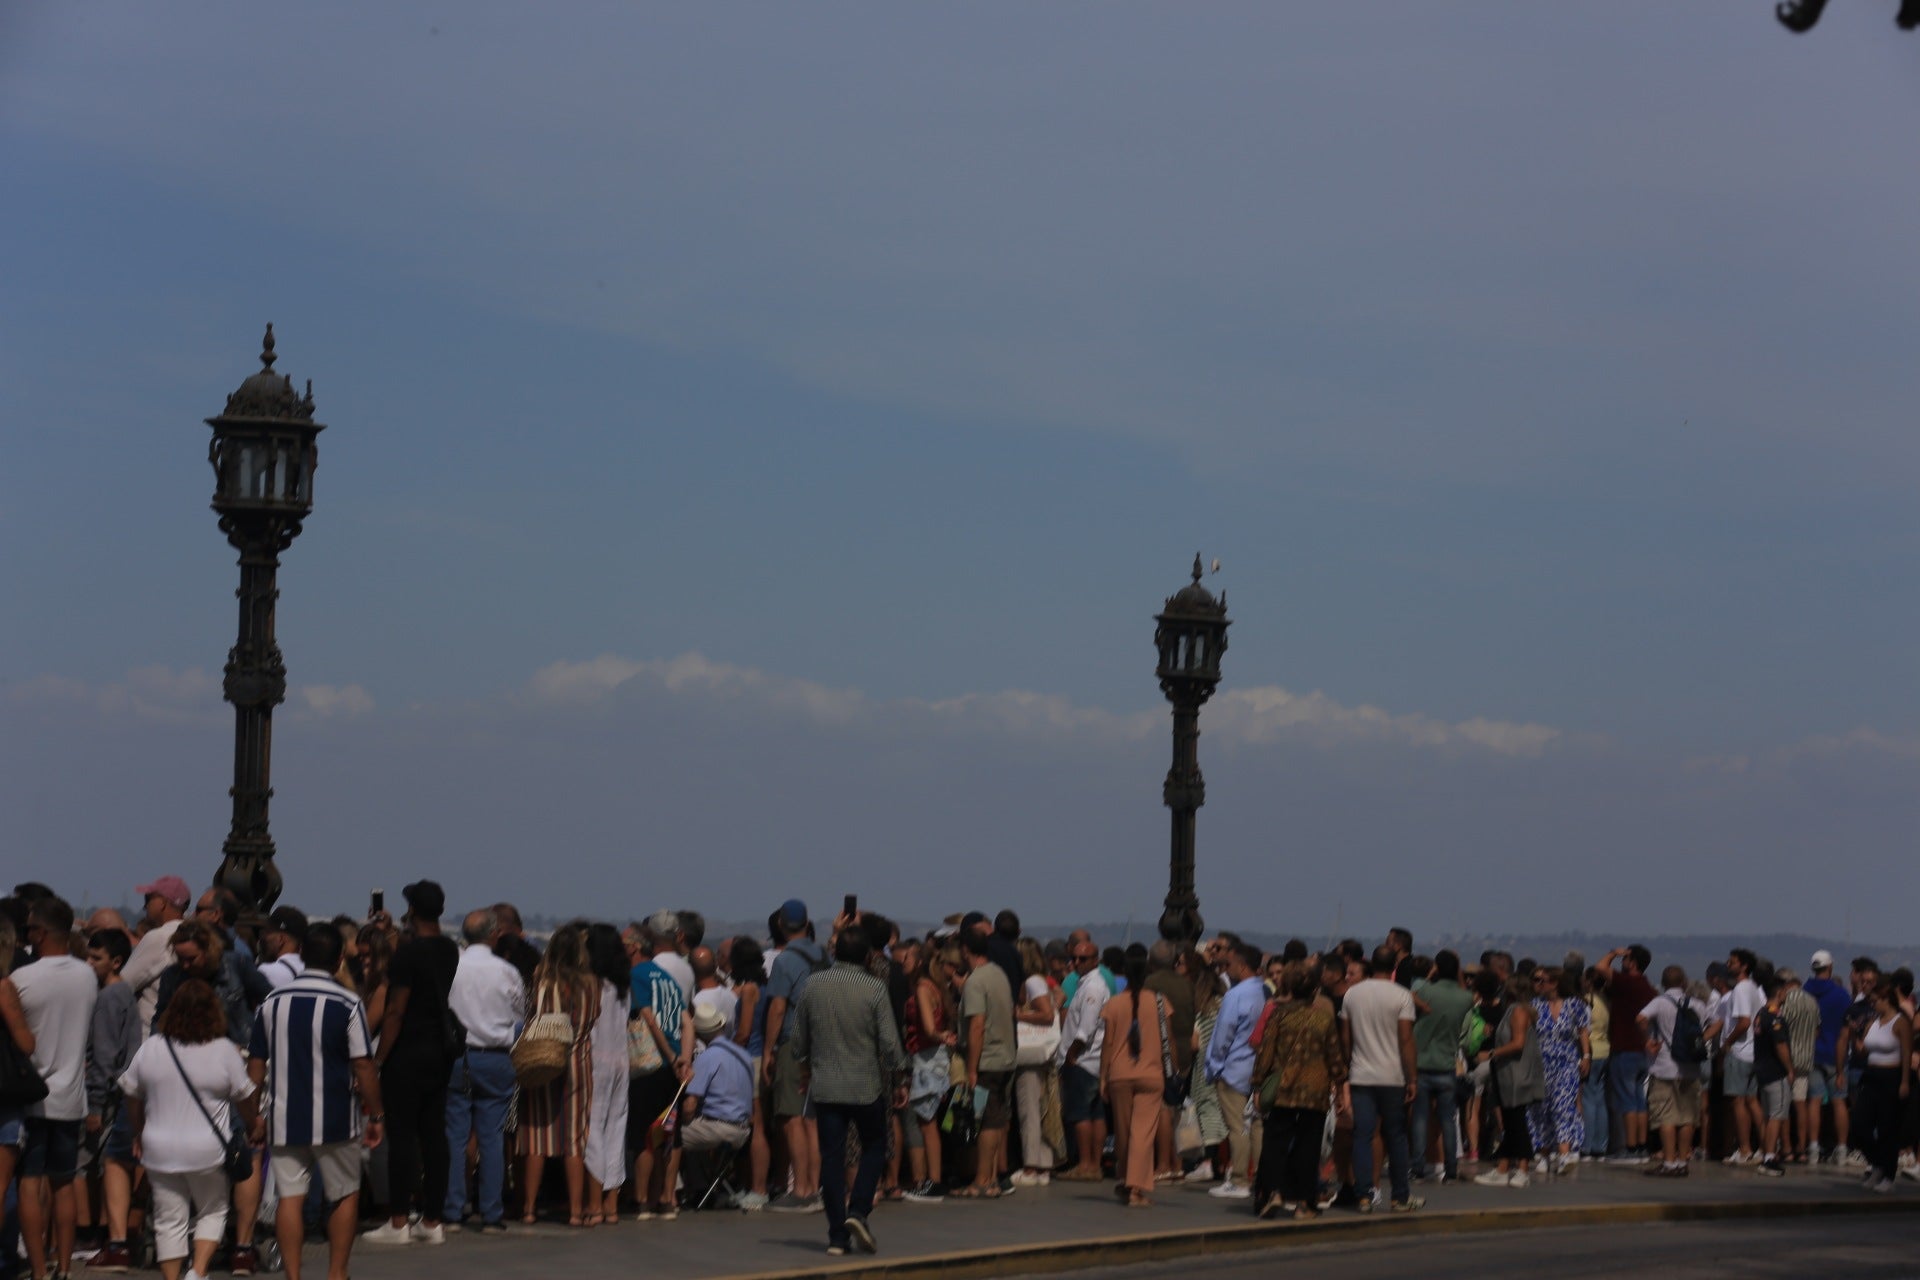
(338, 1162)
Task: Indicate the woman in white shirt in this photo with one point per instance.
(179, 1088)
(1885, 1086)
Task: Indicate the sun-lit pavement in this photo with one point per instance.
(732, 1243)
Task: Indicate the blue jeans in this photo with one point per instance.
(869, 1120)
(1440, 1087)
(1382, 1106)
(477, 1097)
(1627, 1083)
(1593, 1108)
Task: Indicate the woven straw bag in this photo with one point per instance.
(540, 1054)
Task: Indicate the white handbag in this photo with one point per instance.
(1038, 1042)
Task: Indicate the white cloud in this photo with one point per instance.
(328, 700)
(1246, 716)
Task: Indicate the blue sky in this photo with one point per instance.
(829, 395)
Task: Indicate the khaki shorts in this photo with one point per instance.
(1799, 1088)
(1672, 1103)
(338, 1162)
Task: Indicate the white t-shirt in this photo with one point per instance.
(177, 1138)
(678, 969)
(1661, 1013)
(725, 1001)
(279, 973)
(152, 956)
(1744, 1002)
(57, 995)
(1374, 1009)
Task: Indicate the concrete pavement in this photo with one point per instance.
(1070, 1225)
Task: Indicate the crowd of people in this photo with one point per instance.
(170, 1083)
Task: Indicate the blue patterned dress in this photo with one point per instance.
(1557, 1120)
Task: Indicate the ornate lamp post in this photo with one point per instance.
(1191, 637)
(263, 457)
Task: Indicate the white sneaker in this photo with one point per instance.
(1854, 1159)
(424, 1234)
(1519, 1178)
(1231, 1190)
(1813, 1153)
(1880, 1185)
(1202, 1172)
(1492, 1178)
(1735, 1158)
(387, 1233)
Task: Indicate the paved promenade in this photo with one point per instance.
(1081, 1223)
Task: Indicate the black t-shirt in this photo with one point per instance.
(1769, 1033)
(1007, 955)
(425, 967)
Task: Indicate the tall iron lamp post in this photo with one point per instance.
(263, 454)
(1191, 638)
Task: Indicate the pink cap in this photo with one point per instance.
(172, 888)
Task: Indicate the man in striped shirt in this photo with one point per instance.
(311, 1050)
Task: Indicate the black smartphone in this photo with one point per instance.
(376, 903)
(851, 906)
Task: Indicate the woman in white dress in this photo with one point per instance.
(607, 1128)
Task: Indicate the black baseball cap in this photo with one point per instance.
(427, 900)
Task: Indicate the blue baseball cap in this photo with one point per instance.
(793, 913)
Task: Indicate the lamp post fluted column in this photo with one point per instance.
(1190, 639)
(263, 455)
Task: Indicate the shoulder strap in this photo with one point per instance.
(205, 1114)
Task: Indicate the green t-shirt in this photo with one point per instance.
(987, 994)
(1436, 1035)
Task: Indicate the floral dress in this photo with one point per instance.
(1557, 1120)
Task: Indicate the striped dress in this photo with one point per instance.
(555, 1118)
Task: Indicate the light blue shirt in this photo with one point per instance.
(1230, 1053)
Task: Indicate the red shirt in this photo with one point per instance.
(1627, 995)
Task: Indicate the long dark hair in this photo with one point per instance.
(1136, 970)
(608, 956)
(747, 962)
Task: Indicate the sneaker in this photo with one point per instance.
(1447, 1179)
(791, 1203)
(1624, 1157)
(669, 1211)
(836, 1251)
(1408, 1205)
(115, 1257)
(1737, 1158)
(1519, 1178)
(755, 1201)
(1813, 1153)
(1880, 1185)
(1007, 1185)
(496, 1228)
(1491, 1178)
(1910, 1170)
(927, 1193)
(245, 1260)
(1231, 1190)
(1202, 1172)
(1771, 1168)
(1854, 1159)
(1369, 1201)
(387, 1233)
(862, 1235)
(424, 1234)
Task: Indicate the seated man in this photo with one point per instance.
(717, 1109)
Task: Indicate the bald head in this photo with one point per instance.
(705, 969)
(107, 918)
(481, 928)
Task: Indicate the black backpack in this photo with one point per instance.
(1688, 1046)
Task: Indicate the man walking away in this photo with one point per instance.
(490, 1000)
(311, 1050)
(844, 1039)
(1376, 1024)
